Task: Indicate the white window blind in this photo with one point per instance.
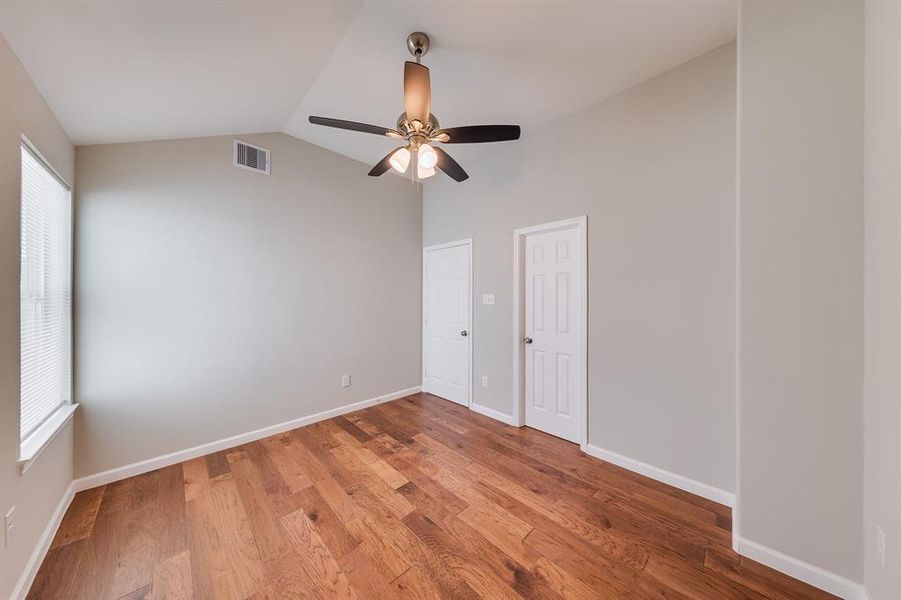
(45, 292)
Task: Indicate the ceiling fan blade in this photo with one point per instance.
(382, 166)
(354, 126)
(475, 134)
(417, 92)
(450, 166)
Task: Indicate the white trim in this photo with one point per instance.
(692, 486)
(41, 437)
(815, 576)
(422, 356)
(580, 223)
(43, 545)
(494, 414)
(37, 153)
(118, 473)
(739, 43)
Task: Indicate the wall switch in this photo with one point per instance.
(345, 381)
(9, 525)
(488, 299)
(880, 546)
(484, 381)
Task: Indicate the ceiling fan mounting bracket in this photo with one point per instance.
(418, 44)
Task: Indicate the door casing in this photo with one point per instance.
(519, 235)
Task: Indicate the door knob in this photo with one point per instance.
(464, 333)
(527, 340)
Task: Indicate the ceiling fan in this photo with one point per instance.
(419, 127)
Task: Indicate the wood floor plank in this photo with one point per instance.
(290, 470)
(117, 496)
(563, 584)
(528, 584)
(417, 498)
(352, 429)
(479, 575)
(216, 464)
(414, 585)
(142, 593)
(379, 543)
(79, 519)
(281, 497)
(94, 578)
(324, 482)
(282, 565)
(365, 576)
(173, 534)
(120, 553)
(54, 580)
(225, 561)
(331, 528)
(325, 573)
(197, 478)
(172, 578)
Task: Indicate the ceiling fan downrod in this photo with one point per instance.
(418, 44)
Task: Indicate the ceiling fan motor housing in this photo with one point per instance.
(411, 128)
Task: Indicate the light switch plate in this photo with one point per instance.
(488, 299)
(345, 381)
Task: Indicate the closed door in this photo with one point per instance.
(446, 322)
(553, 329)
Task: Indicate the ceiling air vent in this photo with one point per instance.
(250, 157)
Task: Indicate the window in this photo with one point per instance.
(45, 291)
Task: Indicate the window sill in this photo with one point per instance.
(35, 443)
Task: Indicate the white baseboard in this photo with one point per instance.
(43, 545)
(494, 414)
(662, 475)
(815, 576)
(118, 473)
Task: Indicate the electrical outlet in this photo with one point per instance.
(9, 526)
(488, 299)
(484, 381)
(345, 381)
(880, 545)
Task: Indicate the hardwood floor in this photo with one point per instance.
(417, 498)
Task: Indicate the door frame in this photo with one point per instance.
(519, 400)
(425, 251)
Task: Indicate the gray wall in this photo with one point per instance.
(882, 382)
(37, 493)
(654, 170)
(212, 301)
(801, 280)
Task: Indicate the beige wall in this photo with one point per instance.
(653, 168)
(37, 493)
(801, 280)
(882, 382)
(212, 301)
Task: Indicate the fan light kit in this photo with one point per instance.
(420, 128)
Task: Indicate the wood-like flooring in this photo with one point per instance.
(416, 498)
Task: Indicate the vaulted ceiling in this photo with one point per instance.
(141, 70)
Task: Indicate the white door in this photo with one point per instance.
(446, 322)
(553, 329)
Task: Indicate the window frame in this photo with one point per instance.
(37, 440)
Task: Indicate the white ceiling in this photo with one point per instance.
(143, 70)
